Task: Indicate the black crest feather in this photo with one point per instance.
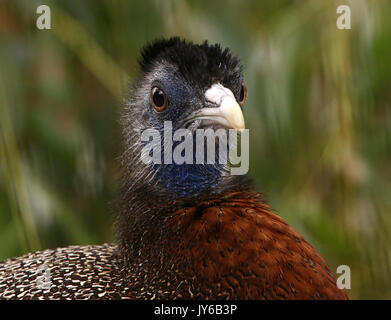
(201, 64)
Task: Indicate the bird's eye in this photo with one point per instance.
(243, 95)
(158, 99)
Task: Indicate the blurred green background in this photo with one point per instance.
(318, 111)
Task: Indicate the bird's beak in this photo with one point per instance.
(227, 112)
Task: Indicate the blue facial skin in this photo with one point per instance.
(188, 179)
(181, 180)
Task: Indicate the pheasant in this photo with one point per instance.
(185, 230)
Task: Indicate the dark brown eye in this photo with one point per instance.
(158, 99)
(243, 95)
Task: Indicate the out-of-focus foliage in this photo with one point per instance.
(318, 111)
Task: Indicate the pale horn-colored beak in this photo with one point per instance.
(226, 113)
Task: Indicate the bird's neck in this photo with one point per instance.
(143, 219)
(152, 193)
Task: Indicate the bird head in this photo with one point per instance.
(181, 85)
